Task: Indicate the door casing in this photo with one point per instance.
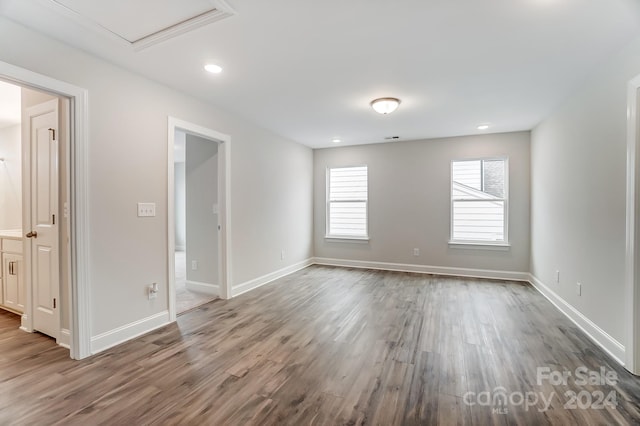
(78, 190)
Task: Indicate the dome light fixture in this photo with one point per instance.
(385, 105)
(213, 68)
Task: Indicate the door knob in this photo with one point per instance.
(32, 234)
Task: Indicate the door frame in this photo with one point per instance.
(632, 261)
(224, 203)
(78, 185)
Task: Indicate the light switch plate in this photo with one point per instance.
(146, 209)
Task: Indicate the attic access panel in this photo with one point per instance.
(142, 23)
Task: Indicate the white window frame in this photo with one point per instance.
(495, 245)
(329, 236)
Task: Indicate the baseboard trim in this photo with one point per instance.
(610, 345)
(64, 339)
(24, 323)
(204, 288)
(265, 279)
(425, 269)
(127, 332)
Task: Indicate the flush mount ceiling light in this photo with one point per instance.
(385, 105)
(336, 140)
(213, 68)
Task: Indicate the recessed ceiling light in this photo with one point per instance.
(336, 140)
(213, 68)
(385, 105)
(483, 127)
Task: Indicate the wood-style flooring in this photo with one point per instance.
(328, 346)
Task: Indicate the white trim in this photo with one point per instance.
(610, 345)
(425, 269)
(204, 288)
(25, 323)
(505, 200)
(64, 339)
(327, 194)
(632, 268)
(479, 246)
(130, 331)
(220, 10)
(333, 238)
(181, 248)
(239, 289)
(80, 303)
(224, 201)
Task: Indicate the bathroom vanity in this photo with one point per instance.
(12, 294)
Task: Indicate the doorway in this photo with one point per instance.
(76, 168)
(33, 249)
(197, 267)
(198, 219)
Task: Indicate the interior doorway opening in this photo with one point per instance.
(198, 215)
(34, 227)
(79, 301)
(197, 278)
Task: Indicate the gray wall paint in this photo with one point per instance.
(201, 178)
(578, 158)
(409, 201)
(11, 178)
(271, 180)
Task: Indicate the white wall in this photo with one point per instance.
(271, 180)
(409, 201)
(201, 182)
(11, 178)
(578, 158)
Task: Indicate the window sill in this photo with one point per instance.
(345, 239)
(479, 245)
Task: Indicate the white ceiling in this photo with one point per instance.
(307, 70)
(9, 105)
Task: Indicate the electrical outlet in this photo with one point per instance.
(557, 277)
(281, 254)
(579, 290)
(416, 252)
(194, 265)
(153, 291)
(146, 209)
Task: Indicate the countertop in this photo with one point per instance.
(11, 233)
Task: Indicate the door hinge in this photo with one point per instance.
(54, 303)
(53, 219)
(54, 133)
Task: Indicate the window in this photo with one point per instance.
(347, 202)
(479, 201)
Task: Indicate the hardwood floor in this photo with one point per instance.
(328, 346)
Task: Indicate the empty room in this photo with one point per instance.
(230, 212)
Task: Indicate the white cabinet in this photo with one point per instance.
(12, 288)
(12, 296)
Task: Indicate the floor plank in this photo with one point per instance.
(327, 346)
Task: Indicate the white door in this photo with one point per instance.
(44, 218)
